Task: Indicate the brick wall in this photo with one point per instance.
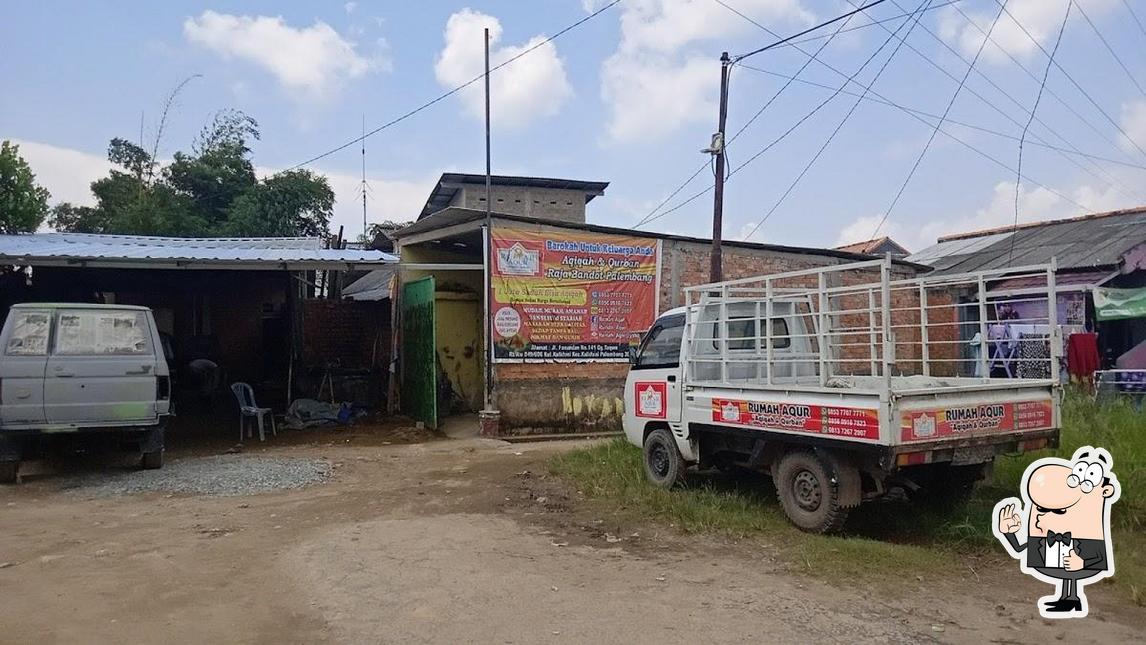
(356, 334)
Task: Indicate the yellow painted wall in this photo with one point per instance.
(457, 324)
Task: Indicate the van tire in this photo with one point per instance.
(9, 470)
(664, 466)
(151, 460)
(808, 491)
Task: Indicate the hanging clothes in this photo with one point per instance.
(1082, 358)
(1034, 355)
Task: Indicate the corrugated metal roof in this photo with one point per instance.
(1080, 243)
(375, 285)
(139, 251)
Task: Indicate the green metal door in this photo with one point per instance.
(419, 364)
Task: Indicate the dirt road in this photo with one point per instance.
(446, 542)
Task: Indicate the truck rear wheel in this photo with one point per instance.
(808, 492)
(663, 464)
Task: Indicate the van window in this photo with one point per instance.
(661, 348)
(742, 334)
(100, 333)
(29, 335)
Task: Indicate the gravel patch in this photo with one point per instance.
(226, 475)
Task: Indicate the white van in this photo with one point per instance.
(70, 368)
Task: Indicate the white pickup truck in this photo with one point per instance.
(860, 383)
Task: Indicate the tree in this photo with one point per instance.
(210, 190)
(290, 203)
(23, 203)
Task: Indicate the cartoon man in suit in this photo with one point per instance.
(1067, 506)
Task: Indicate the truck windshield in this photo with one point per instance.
(661, 347)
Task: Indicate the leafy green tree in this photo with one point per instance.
(290, 203)
(210, 190)
(23, 203)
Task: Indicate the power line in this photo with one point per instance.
(786, 132)
(1110, 49)
(442, 97)
(873, 22)
(939, 124)
(840, 125)
(1038, 97)
(1107, 177)
(1135, 17)
(1070, 78)
(652, 214)
(882, 100)
(808, 30)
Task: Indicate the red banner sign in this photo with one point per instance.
(854, 423)
(987, 418)
(570, 295)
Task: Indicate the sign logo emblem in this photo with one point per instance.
(651, 400)
(924, 426)
(518, 260)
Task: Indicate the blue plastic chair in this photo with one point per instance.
(248, 409)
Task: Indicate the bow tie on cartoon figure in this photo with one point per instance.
(1067, 510)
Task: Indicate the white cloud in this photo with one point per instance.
(1040, 18)
(65, 172)
(533, 87)
(651, 84)
(1035, 205)
(1134, 125)
(350, 7)
(314, 61)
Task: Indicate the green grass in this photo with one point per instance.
(881, 537)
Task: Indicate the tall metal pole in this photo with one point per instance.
(487, 242)
(716, 271)
(365, 228)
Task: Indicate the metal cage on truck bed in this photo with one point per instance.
(854, 327)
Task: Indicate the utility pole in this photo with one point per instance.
(487, 242)
(365, 228)
(716, 272)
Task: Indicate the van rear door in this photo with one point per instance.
(102, 368)
(22, 364)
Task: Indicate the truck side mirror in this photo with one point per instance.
(633, 354)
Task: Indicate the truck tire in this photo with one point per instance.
(808, 492)
(8, 471)
(151, 460)
(663, 464)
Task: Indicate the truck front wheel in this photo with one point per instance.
(663, 464)
(808, 491)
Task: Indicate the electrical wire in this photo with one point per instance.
(1106, 177)
(444, 96)
(1073, 82)
(946, 111)
(786, 132)
(873, 23)
(840, 125)
(1133, 15)
(652, 214)
(1038, 97)
(809, 30)
(882, 100)
(1110, 49)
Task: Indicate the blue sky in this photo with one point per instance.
(628, 97)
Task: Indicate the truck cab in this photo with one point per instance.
(81, 369)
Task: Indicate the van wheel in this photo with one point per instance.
(806, 487)
(9, 471)
(663, 464)
(152, 460)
